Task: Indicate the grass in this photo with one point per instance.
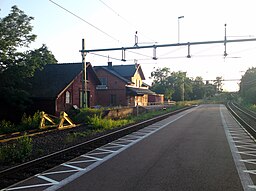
(27, 123)
(98, 124)
(16, 152)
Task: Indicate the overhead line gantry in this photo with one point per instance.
(170, 45)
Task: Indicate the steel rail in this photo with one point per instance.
(247, 126)
(243, 111)
(14, 136)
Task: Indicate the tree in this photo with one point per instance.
(248, 86)
(178, 87)
(15, 66)
(173, 85)
(160, 83)
(15, 32)
(210, 90)
(218, 83)
(37, 59)
(198, 88)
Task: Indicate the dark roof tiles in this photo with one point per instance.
(54, 78)
(124, 72)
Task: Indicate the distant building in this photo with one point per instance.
(58, 87)
(121, 85)
(156, 99)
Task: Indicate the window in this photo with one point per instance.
(103, 86)
(104, 81)
(67, 97)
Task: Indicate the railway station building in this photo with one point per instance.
(122, 85)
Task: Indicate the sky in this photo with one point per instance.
(113, 23)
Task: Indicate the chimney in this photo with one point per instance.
(110, 64)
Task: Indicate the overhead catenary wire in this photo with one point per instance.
(207, 49)
(127, 21)
(109, 57)
(244, 50)
(170, 52)
(80, 18)
(115, 39)
(139, 54)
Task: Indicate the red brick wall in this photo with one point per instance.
(91, 86)
(75, 89)
(115, 87)
(157, 98)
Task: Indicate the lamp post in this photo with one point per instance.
(180, 17)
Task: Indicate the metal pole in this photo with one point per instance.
(178, 30)
(179, 27)
(225, 41)
(84, 83)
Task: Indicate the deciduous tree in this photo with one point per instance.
(16, 66)
(248, 86)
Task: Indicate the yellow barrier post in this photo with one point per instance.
(64, 117)
(44, 117)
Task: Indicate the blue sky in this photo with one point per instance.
(155, 21)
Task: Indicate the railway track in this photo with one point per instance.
(244, 116)
(14, 136)
(20, 172)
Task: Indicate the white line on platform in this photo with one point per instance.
(47, 179)
(74, 167)
(29, 186)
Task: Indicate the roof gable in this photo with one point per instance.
(124, 72)
(54, 78)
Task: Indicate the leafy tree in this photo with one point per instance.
(160, 83)
(177, 86)
(210, 90)
(198, 88)
(218, 84)
(16, 66)
(37, 59)
(248, 86)
(15, 32)
(173, 85)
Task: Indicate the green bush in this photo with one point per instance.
(29, 122)
(101, 123)
(16, 152)
(6, 127)
(152, 113)
(86, 113)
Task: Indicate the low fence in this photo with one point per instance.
(122, 112)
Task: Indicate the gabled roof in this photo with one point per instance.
(126, 80)
(138, 91)
(54, 78)
(124, 72)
